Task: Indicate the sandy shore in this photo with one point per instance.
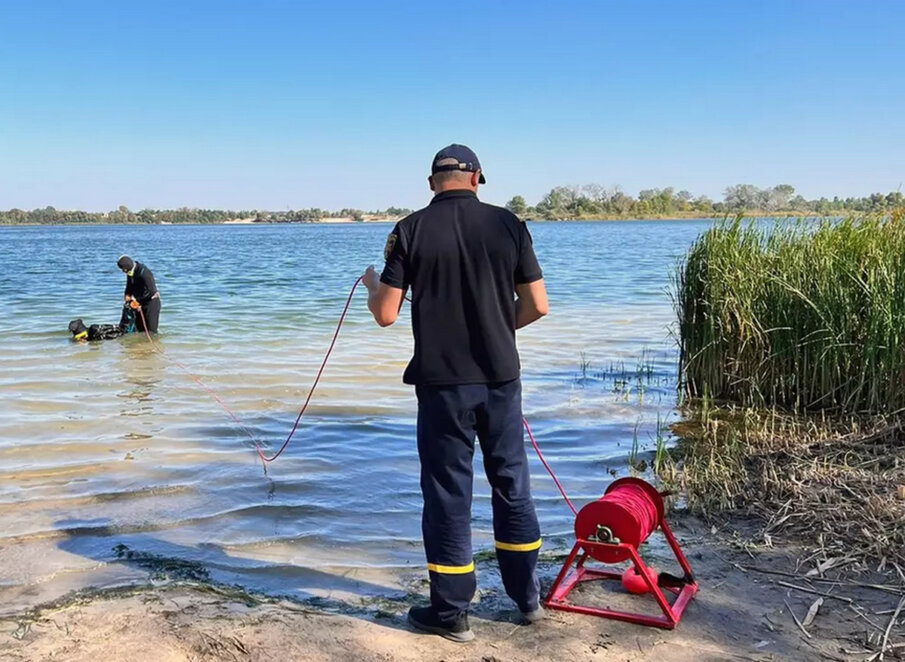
(741, 613)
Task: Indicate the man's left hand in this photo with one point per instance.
(371, 279)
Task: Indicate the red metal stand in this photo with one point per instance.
(568, 579)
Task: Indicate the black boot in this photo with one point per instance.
(424, 619)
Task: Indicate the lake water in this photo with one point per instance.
(108, 443)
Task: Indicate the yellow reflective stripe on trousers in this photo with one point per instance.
(518, 547)
(451, 569)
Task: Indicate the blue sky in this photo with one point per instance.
(276, 105)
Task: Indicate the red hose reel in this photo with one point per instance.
(610, 530)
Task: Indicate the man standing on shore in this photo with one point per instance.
(475, 280)
(141, 292)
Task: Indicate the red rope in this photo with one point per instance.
(264, 459)
(195, 378)
(547, 466)
(317, 379)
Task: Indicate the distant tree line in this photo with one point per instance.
(562, 202)
(593, 200)
(49, 215)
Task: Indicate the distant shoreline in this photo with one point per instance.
(344, 220)
(685, 216)
(590, 202)
(324, 220)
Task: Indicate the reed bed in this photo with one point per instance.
(792, 358)
(799, 316)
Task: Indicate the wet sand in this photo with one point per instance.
(741, 613)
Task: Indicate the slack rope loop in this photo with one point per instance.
(339, 325)
(196, 379)
(264, 459)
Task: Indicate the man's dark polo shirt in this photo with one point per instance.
(462, 259)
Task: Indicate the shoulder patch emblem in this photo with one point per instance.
(391, 242)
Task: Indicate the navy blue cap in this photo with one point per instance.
(457, 157)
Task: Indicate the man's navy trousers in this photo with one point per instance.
(449, 418)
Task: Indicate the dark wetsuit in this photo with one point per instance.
(142, 287)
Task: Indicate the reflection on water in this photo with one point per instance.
(108, 443)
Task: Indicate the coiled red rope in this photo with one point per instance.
(265, 460)
(636, 501)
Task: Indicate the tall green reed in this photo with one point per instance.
(796, 315)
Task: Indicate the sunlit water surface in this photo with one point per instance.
(108, 444)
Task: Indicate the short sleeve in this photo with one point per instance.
(396, 255)
(527, 270)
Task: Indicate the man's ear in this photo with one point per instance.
(476, 178)
(430, 181)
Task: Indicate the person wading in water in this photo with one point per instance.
(141, 292)
(474, 280)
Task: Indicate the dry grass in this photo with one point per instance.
(834, 485)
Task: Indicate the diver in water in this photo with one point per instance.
(105, 331)
(141, 287)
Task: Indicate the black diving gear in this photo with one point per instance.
(104, 331)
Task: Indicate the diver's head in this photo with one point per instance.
(126, 264)
(78, 329)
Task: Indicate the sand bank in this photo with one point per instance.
(742, 613)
